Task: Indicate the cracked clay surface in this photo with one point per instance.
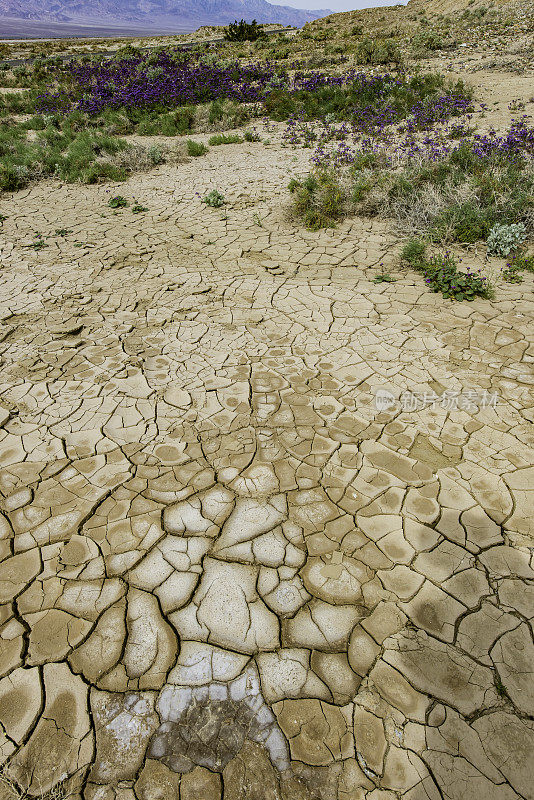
(225, 572)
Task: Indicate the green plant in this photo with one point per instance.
(38, 244)
(117, 202)
(503, 239)
(427, 41)
(525, 262)
(499, 686)
(138, 209)
(442, 275)
(414, 254)
(221, 138)
(243, 31)
(155, 154)
(214, 199)
(519, 263)
(251, 136)
(377, 51)
(196, 148)
(62, 231)
(512, 273)
(384, 277)
(319, 199)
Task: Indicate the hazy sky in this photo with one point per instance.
(334, 5)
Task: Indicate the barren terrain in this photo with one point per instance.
(265, 515)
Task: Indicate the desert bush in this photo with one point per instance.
(196, 149)
(35, 123)
(524, 261)
(86, 156)
(426, 42)
(18, 102)
(243, 31)
(320, 199)
(377, 51)
(414, 254)
(462, 197)
(459, 197)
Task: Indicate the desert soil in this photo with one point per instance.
(226, 571)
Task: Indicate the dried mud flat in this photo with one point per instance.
(225, 572)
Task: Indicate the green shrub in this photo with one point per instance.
(251, 136)
(195, 148)
(360, 189)
(426, 41)
(13, 177)
(221, 138)
(377, 51)
(525, 262)
(429, 198)
(184, 119)
(155, 155)
(466, 223)
(69, 154)
(214, 199)
(35, 123)
(220, 115)
(279, 105)
(243, 31)
(100, 172)
(319, 199)
(414, 254)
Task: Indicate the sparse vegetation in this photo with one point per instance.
(441, 273)
(118, 202)
(214, 199)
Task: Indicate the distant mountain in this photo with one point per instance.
(154, 13)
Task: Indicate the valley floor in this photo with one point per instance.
(266, 524)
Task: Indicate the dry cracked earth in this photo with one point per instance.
(226, 573)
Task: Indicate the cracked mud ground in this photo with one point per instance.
(224, 572)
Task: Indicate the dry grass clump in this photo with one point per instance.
(220, 115)
(139, 158)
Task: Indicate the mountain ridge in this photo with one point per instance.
(153, 13)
